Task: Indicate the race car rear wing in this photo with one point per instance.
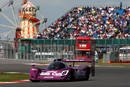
(78, 60)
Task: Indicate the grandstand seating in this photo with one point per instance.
(98, 23)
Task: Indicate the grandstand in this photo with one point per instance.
(97, 22)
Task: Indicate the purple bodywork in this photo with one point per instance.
(58, 70)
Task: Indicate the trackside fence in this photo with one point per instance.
(30, 49)
(37, 50)
(47, 50)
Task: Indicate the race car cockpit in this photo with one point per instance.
(57, 65)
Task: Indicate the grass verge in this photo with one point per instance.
(7, 77)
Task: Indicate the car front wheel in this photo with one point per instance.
(34, 80)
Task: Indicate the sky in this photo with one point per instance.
(52, 9)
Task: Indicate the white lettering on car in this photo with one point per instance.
(56, 74)
(53, 73)
(50, 77)
(45, 73)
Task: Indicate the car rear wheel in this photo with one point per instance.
(87, 77)
(87, 73)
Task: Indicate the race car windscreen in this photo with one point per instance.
(56, 66)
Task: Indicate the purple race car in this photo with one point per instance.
(58, 70)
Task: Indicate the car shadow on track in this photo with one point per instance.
(65, 81)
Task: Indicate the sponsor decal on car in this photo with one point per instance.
(54, 73)
(45, 73)
(48, 77)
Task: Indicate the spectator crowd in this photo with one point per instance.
(98, 23)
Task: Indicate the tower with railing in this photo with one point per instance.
(29, 23)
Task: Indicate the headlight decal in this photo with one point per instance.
(65, 72)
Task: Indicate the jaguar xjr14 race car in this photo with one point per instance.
(59, 70)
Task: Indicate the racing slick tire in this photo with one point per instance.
(70, 76)
(87, 73)
(34, 80)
